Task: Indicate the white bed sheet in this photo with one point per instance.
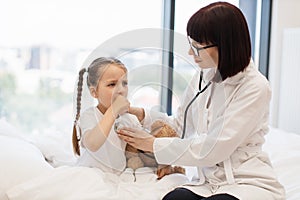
(284, 150)
(66, 182)
(72, 183)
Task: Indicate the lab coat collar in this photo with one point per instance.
(236, 79)
(209, 74)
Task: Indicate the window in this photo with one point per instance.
(44, 43)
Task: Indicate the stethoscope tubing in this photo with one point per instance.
(195, 97)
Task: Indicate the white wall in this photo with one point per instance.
(285, 15)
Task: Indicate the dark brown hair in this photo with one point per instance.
(224, 25)
(94, 74)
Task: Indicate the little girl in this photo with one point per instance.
(93, 129)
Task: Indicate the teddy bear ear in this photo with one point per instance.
(156, 125)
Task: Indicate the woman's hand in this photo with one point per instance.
(137, 138)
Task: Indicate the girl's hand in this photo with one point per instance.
(120, 105)
(138, 138)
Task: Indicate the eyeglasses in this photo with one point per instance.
(197, 49)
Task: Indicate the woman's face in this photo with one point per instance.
(207, 57)
(112, 83)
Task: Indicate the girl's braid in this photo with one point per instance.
(76, 128)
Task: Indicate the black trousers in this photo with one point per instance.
(185, 194)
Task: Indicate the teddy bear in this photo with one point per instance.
(137, 158)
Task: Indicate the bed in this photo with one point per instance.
(39, 167)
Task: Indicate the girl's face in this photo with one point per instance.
(208, 57)
(112, 83)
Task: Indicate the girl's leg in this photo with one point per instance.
(181, 193)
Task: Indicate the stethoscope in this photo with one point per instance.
(195, 97)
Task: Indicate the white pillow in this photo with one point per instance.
(8, 129)
(56, 147)
(19, 162)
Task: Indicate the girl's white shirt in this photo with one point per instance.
(224, 135)
(110, 157)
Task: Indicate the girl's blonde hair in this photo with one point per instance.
(95, 71)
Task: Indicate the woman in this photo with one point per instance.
(225, 126)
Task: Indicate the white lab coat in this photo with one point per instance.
(225, 132)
